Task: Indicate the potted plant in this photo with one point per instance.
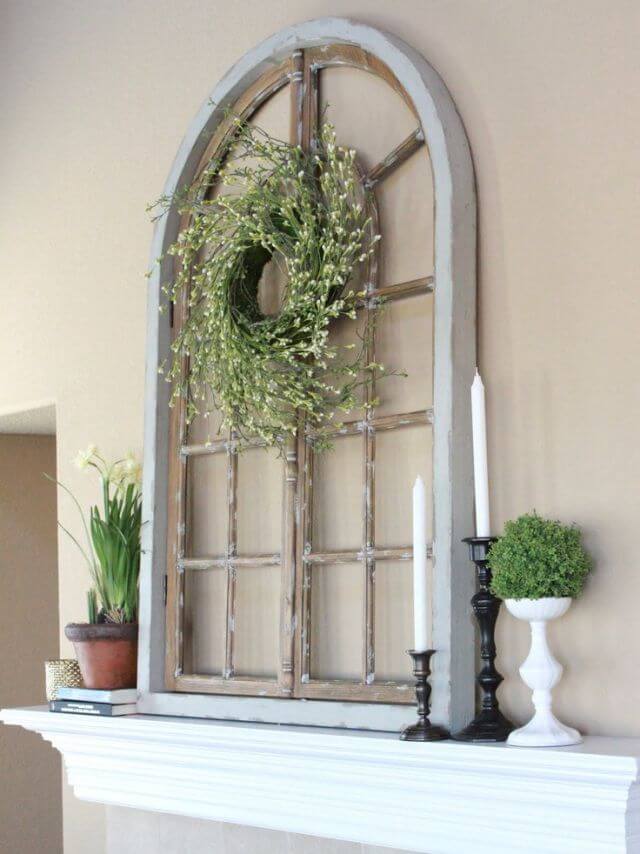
(107, 645)
(539, 566)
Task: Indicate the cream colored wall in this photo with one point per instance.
(30, 800)
(95, 99)
(133, 832)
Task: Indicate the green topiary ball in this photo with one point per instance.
(538, 558)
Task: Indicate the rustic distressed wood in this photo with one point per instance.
(303, 577)
(304, 120)
(453, 285)
(354, 56)
(342, 689)
(232, 548)
(310, 105)
(288, 575)
(243, 686)
(369, 451)
(176, 528)
(403, 289)
(215, 446)
(298, 132)
(395, 158)
(222, 561)
(220, 445)
(357, 691)
(403, 419)
(383, 422)
(351, 557)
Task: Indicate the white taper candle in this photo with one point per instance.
(480, 467)
(420, 619)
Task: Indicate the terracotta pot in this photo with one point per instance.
(107, 653)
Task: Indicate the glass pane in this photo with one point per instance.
(204, 428)
(274, 115)
(406, 205)
(337, 496)
(257, 621)
(344, 332)
(337, 621)
(205, 608)
(366, 112)
(206, 505)
(393, 619)
(401, 455)
(259, 501)
(404, 342)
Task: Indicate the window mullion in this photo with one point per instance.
(176, 522)
(305, 97)
(232, 545)
(369, 440)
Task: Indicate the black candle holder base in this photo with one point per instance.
(488, 727)
(424, 732)
(423, 729)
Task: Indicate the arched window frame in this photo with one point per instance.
(454, 362)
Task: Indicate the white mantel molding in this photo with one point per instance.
(368, 787)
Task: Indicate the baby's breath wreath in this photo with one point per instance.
(304, 211)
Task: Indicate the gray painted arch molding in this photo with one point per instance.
(454, 361)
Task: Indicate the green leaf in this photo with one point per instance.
(538, 558)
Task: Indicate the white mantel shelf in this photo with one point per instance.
(362, 786)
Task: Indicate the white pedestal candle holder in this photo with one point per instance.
(541, 672)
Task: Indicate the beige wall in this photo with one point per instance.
(30, 800)
(95, 99)
(133, 832)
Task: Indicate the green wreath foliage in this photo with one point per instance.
(304, 211)
(536, 558)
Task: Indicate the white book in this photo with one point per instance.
(81, 708)
(88, 695)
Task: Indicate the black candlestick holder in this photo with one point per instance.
(489, 725)
(423, 729)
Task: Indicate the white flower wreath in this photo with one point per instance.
(260, 373)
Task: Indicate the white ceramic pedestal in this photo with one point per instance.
(541, 672)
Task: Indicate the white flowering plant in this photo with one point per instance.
(305, 211)
(112, 534)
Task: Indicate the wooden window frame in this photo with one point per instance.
(293, 56)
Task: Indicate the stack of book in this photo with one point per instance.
(86, 701)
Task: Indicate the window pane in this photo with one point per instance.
(401, 455)
(365, 111)
(405, 204)
(404, 342)
(205, 597)
(393, 619)
(259, 501)
(257, 621)
(273, 115)
(337, 496)
(206, 505)
(204, 428)
(343, 333)
(337, 621)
